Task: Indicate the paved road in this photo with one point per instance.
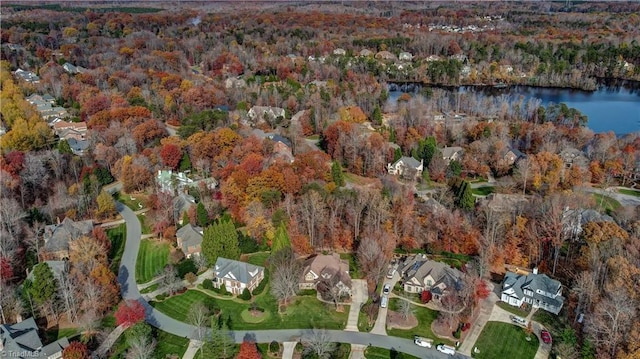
(129, 289)
(624, 199)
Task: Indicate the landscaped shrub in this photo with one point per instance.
(186, 266)
(208, 284)
(246, 295)
(161, 297)
(191, 278)
(223, 290)
(260, 286)
(274, 347)
(306, 292)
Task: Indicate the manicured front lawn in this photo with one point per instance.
(608, 204)
(144, 227)
(514, 310)
(483, 191)
(303, 312)
(425, 317)
(152, 258)
(381, 353)
(118, 237)
(258, 259)
(169, 344)
(503, 340)
(630, 192)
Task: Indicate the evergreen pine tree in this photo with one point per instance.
(44, 285)
(336, 173)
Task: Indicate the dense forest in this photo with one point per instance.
(182, 90)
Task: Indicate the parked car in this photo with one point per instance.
(386, 289)
(391, 272)
(446, 349)
(422, 342)
(546, 337)
(384, 301)
(518, 320)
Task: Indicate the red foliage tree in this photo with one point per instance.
(426, 296)
(129, 313)
(6, 272)
(482, 291)
(75, 350)
(248, 350)
(171, 155)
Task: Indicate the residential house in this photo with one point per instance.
(70, 68)
(573, 220)
(181, 204)
(405, 56)
(168, 181)
(432, 58)
(511, 155)
(535, 289)
(406, 167)
(21, 340)
(574, 157)
(27, 76)
(366, 53)
(502, 202)
(421, 274)
(327, 268)
(189, 239)
(386, 56)
(235, 82)
(339, 52)
(57, 237)
(452, 153)
(281, 152)
(77, 146)
(262, 114)
(236, 276)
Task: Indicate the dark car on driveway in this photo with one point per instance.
(546, 337)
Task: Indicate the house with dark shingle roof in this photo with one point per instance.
(538, 290)
(406, 167)
(58, 236)
(189, 239)
(329, 268)
(421, 274)
(21, 340)
(236, 275)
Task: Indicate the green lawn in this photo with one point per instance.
(259, 258)
(511, 309)
(54, 334)
(144, 227)
(381, 353)
(630, 192)
(169, 344)
(608, 204)
(425, 317)
(134, 204)
(149, 289)
(503, 340)
(303, 312)
(117, 236)
(152, 258)
(483, 191)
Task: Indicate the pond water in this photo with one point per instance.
(610, 108)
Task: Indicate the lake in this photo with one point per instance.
(610, 108)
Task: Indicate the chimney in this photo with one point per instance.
(535, 270)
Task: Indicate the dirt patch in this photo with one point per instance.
(441, 330)
(396, 320)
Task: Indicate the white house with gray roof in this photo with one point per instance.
(21, 340)
(236, 275)
(406, 166)
(538, 290)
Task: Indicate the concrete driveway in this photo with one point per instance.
(359, 296)
(381, 322)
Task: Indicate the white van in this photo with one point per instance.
(446, 349)
(422, 342)
(384, 301)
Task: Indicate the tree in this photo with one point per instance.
(171, 282)
(220, 240)
(248, 350)
(202, 215)
(171, 155)
(426, 296)
(220, 344)
(336, 174)
(376, 116)
(198, 316)
(318, 342)
(137, 331)
(106, 205)
(44, 286)
(141, 348)
(68, 290)
(129, 312)
(64, 147)
(405, 309)
(285, 274)
(75, 350)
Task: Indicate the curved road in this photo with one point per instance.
(129, 289)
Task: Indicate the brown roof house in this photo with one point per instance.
(329, 271)
(57, 237)
(189, 239)
(236, 276)
(420, 274)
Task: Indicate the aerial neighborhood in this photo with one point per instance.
(319, 180)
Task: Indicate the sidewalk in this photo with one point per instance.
(287, 353)
(192, 350)
(106, 345)
(487, 308)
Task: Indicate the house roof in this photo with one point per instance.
(409, 162)
(533, 282)
(190, 236)
(182, 203)
(419, 267)
(22, 341)
(236, 270)
(58, 236)
(448, 152)
(326, 266)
